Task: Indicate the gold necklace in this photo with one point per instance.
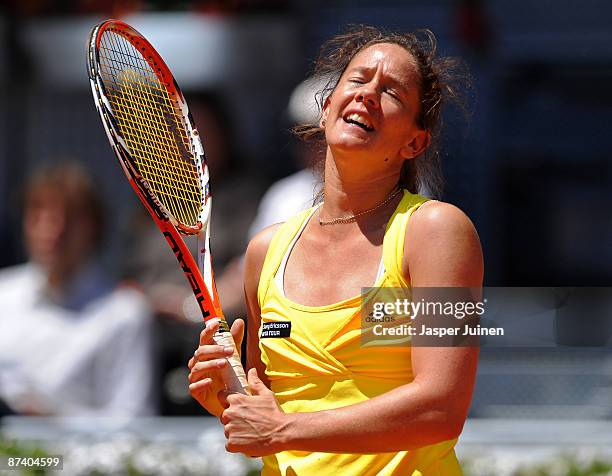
(353, 218)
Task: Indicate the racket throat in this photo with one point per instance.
(204, 259)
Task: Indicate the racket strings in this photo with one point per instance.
(145, 136)
(151, 146)
(137, 79)
(152, 127)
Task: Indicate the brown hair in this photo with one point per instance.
(441, 80)
(74, 185)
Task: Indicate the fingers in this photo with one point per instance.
(207, 349)
(209, 358)
(253, 377)
(199, 389)
(209, 352)
(255, 383)
(227, 397)
(237, 331)
(222, 396)
(201, 369)
(206, 336)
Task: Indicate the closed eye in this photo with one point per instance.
(393, 94)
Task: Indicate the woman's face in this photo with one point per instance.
(373, 109)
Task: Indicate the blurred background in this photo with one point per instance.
(531, 167)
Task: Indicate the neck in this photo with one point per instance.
(351, 194)
(61, 273)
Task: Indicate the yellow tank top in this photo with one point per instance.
(314, 361)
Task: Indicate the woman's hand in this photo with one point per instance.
(208, 360)
(254, 425)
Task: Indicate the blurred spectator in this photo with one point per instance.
(71, 341)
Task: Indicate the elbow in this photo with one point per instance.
(444, 424)
(453, 419)
(435, 427)
(453, 427)
(446, 413)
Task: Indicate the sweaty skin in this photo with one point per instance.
(370, 129)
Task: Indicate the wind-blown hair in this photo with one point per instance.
(441, 80)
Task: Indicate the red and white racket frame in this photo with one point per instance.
(200, 276)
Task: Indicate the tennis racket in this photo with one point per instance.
(149, 126)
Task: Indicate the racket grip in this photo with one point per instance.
(233, 374)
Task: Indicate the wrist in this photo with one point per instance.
(287, 434)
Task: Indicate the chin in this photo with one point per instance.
(348, 144)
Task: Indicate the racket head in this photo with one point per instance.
(149, 125)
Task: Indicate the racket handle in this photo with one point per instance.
(233, 374)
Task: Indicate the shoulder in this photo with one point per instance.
(20, 279)
(17, 272)
(434, 218)
(128, 296)
(256, 254)
(259, 244)
(125, 305)
(442, 247)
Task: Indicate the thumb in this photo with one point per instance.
(237, 331)
(255, 384)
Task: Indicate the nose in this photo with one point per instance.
(368, 95)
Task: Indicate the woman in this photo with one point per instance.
(336, 407)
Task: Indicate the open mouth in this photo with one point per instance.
(359, 121)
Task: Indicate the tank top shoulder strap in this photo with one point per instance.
(395, 235)
(277, 249)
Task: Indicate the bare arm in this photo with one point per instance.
(254, 260)
(442, 249)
